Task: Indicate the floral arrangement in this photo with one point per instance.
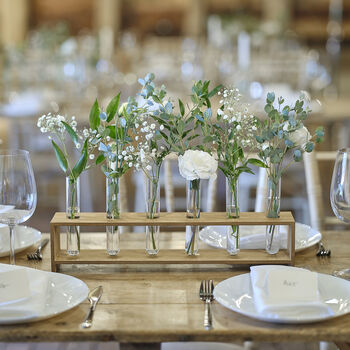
(283, 135)
(141, 132)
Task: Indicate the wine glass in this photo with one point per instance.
(340, 194)
(17, 191)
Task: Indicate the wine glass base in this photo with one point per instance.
(342, 274)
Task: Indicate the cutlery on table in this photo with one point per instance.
(37, 255)
(206, 294)
(322, 251)
(93, 297)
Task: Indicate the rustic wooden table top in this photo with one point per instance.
(153, 304)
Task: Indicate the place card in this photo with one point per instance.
(292, 285)
(14, 286)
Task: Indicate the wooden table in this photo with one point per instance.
(154, 304)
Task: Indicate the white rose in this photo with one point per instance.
(197, 165)
(123, 108)
(300, 137)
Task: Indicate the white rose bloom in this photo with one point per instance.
(197, 165)
(300, 137)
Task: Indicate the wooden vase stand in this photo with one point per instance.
(172, 256)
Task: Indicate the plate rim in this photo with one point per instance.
(318, 239)
(6, 253)
(263, 318)
(60, 276)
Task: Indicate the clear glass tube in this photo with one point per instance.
(191, 240)
(273, 207)
(152, 212)
(113, 212)
(73, 212)
(193, 196)
(232, 210)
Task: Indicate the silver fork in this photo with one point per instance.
(322, 251)
(206, 294)
(37, 254)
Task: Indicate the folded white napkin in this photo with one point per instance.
(286, 292)
(22, 293)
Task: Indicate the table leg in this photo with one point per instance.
(139, 346)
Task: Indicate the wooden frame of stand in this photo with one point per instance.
(171, 256)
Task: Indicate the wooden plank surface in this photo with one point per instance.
(156, 303)
(174, 256)
(172, 219)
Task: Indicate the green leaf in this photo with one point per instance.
(215, 91)
(207, 139)
(270, 97)
(71, 132)
(309, 147)
(297, 155)
(112, 107)
(100, 158)
(257, 162)
(182, 108)
(81, 163)
(199, 118)
(268, 108)
(94, 118)
(62, 161)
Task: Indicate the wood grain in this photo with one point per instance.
(172, 219)
(170, 256)
(160, 303)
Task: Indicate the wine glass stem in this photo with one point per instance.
(12, 244)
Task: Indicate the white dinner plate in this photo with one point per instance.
(24, 238)
(63, 293)
(236, 294)
(253, 237)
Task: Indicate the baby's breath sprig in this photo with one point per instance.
(58, 127)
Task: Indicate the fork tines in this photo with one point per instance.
(206, 289)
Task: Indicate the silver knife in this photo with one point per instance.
(93, 297)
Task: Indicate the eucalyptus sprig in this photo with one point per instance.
(181, 128)
(283, 132)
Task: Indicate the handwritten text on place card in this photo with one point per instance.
(284, 285)
(14, 285)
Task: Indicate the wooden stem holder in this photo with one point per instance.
(172, 256)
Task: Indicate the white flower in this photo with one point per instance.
(124, 153)
(136, 138)
(78, 145)
(197, 165)
(265, 145)
(153, 126)
(225, 117)
(238, 127)
(130, 164)
(91, 156)
(220, 112)
(148, 167)
(161, 127)
(300, 137)
(123, 108)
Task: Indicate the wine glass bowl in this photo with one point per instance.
(340, 194)
(18, 196)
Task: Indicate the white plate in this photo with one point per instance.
(24, 237)
(253, 237)
(236, 294)
(63, 293)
